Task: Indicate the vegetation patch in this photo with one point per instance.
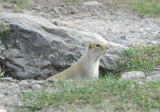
(116, 3)
(158, 37)
(15, 1)
(69, 1)
(121, 95)
(149, 7)
(4, 31)
(143, 7)
(142, 58)
(2, 71)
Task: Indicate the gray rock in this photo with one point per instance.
(6, 79)
(4, 92)
(3, 110)
(24, 83)
(36, 48)
(41, 82)
(148, 79)
(141, 83)
(20, 103)
(35, 87)
(92, 3)
(32, 81)
(133, 75)
(155, 77)
(2, 96)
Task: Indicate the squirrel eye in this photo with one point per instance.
(98, 45)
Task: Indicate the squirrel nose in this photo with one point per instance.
(107, 47)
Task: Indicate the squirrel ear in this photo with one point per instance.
(90, 46)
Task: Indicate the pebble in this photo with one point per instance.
(6, 79)
(1, 96)
(3, 110)
(141, 83)
(4, 92)
(155, 77)
(35, 87)
(148, 78)
(2, 47)
(92, 3)
(24, 82)
(133, 75)
(32, 81)
(20, 103)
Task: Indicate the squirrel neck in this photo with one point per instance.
(93, 60)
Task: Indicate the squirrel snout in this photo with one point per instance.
(107, 46)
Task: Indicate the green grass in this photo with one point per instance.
(69, 1)
(15, 1)
(143, 7)
(158, 37)
(2, 74)
(142, 58)
(146, 7)
(18, 6)
(122, 95)
(116, 3)
(4, 31)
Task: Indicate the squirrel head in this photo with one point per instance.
(98, 48)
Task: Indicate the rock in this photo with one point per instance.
(122, 39)
(3, 110)
(41, 82)
(92, 3)
(148, 78)
(24, 83)
(2, 96)
(4, 92)
(6, 79)
(32, 81)
(36, 48)
(141, 83)
(133, 75)
(35, 87)
(20, 103)
(155, 77)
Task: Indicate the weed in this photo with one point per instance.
(2, 72)
(4, 31)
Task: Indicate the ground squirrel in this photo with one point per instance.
(88, 66)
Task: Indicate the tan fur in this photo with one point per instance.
(88, 66)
